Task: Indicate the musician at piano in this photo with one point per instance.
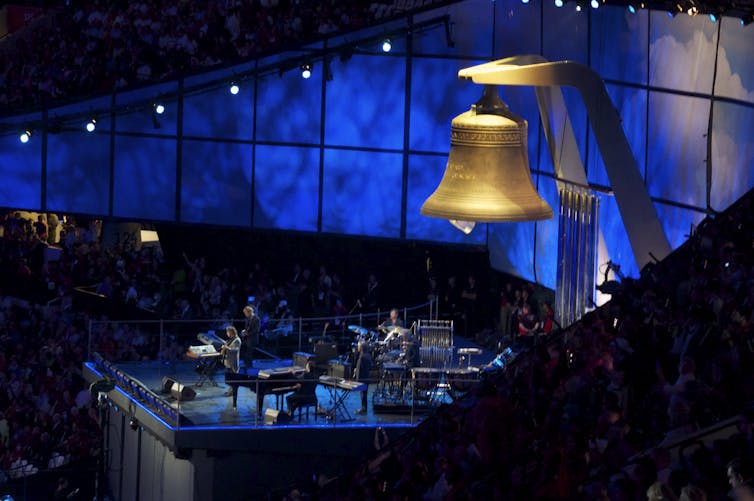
(230, 351)
(249, 335)
(305, 390)
(361, 373)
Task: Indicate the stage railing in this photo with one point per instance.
(169, 339)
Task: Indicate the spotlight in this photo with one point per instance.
(133, 424)
(631, 8)
(595, 4)
(159, 108)
(524, 1)
(91, 125)
(578, 7)
(306, 70)
(387, 45)
(713, 17)
(234, 88)
(693, 10)
(25, 136)
(558, 3)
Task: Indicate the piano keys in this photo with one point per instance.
(343, 384)
(209, 338)
(339, 389)
(209, 360)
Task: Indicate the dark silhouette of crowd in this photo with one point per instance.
(86, 48)
(647, 397)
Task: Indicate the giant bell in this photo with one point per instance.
(487, 178)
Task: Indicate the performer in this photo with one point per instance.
(392, 326)
(230, 351)
(306, 390)
(393, 321)
(250, 335)
(361, 373)
(410, 350)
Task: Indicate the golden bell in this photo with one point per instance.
(487, 178)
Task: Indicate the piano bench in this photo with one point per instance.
(279, 394)
(305, 406)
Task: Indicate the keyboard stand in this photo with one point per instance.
(207, 367)
(338, 396)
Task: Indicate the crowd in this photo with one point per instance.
(95, 47)
(609, 408)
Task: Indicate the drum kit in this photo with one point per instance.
(385, 344)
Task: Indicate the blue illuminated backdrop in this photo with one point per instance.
(356, 148)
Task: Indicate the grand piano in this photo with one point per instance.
(265, 382)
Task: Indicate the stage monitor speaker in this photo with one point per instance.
(300, 358)
(182, 392)
(274, 416)
(325, 352)
(167, 385)
(339, 369)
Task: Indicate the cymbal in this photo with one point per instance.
(397, 330)
(358, 330)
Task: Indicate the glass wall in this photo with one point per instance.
(356, 148)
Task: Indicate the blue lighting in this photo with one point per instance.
(632, 9)
(558, 3)
(595, 4)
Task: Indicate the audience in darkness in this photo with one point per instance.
(607, 409)
(88, 47)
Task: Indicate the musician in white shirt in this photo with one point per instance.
(230, 351)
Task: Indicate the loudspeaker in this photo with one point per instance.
(182, 392)
(167, 385)
(324, 352)
(300, 358)
(273, 416)
(339, 369)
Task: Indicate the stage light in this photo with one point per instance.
(524, 1)
(578, 7)
(91, 125)
(558, 3)
(159, 108)
(234, 88)
(631, 9)
(747, 19)
(25, 136)
(387, 45)
(713, 17)
(595, 4)
(133, 424)
(306, 70)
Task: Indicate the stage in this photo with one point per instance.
(197, 446)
